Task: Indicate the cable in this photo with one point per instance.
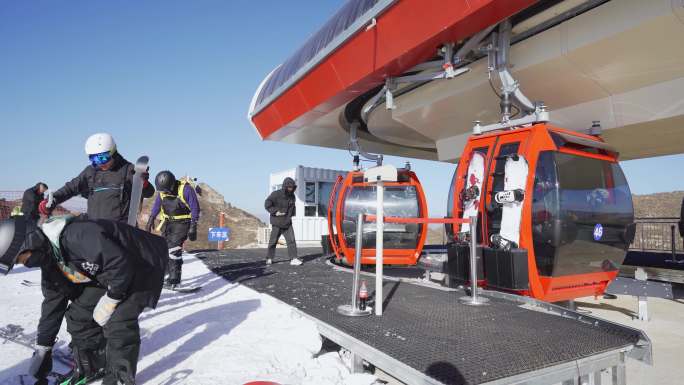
(492, 85)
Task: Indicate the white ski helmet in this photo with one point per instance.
(99, 143)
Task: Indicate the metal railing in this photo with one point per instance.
(659, 234)
(11, 198)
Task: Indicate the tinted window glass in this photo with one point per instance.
(310, 192)
(586, 228)
(399, 201)
(544, 212)
(324, 191)
(310, 211)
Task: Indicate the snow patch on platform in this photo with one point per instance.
(223, 334)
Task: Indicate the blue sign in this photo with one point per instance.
(598, 232)
(218, 234)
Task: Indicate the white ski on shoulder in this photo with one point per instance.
(470, 196)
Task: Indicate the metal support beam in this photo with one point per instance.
(619, 372)
(356, 363)
(642, 301)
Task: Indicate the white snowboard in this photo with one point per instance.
(515, 179)
(473, 184)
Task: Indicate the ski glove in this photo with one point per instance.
(192, 233)
(279, 214)
(41, 362)
(44, 209)
(104, 309)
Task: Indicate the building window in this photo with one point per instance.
(324, 191)
(309, 211)
(310, 192)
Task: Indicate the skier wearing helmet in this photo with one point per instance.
(178, 204)
(109, 270)
(106, 183)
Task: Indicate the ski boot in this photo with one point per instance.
(89, 367)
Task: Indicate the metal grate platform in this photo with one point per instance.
(428, 329)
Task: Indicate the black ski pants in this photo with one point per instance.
(175, 233)
(288, 233)
(52, 311)
(121, 335)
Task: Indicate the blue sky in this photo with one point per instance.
(173, 80)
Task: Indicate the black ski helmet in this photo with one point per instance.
(12, 236)
(165, 182)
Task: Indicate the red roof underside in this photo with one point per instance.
(406, 34)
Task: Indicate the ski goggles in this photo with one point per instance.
(100, 159)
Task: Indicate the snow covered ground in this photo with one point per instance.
(223, 334)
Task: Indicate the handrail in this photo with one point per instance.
(373, 218)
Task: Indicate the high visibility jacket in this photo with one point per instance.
(174, 207)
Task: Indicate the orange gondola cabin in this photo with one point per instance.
(404, 198)
(575, 220)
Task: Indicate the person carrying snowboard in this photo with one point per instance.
(178, 204)
(281, 205)
(109, 270)
(106, 183)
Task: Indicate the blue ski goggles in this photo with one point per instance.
(100, 159)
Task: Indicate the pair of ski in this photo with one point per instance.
(510, 199)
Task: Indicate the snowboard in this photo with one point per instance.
(470, 196)
(511, 200)
(183, 289)
(141, 166)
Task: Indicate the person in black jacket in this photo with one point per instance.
(111, 271)
(106, 183)
(31, 200)
(281, 205)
